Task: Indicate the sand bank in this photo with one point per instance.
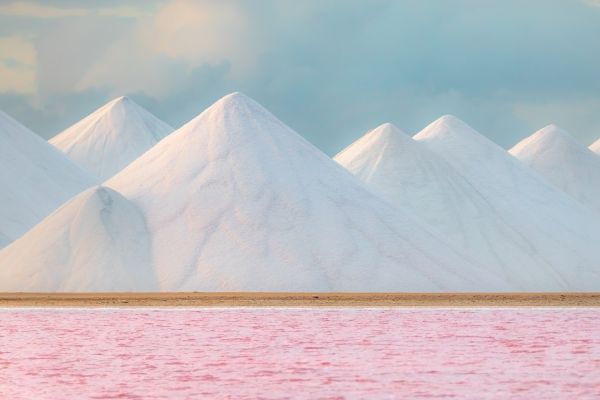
(285, 299)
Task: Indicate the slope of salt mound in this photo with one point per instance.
(236, 200)
(561, 159)
(551, 223)
(35, 179)
(407, 174)
(110, 138)
(595, 147)
(97, 241)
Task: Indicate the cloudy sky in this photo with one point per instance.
(331, 69)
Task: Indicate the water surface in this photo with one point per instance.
(299, 353)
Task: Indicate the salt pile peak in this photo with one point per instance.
(595, 147)
(35, 179)
(407, 174)
(372, 156)
(95, 242)
(236, 200)
(111, 137)
(561, 159)
(551, 223)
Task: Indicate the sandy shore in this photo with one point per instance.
(285, 299)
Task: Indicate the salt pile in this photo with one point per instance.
(35, 179)
(565, 162)
(95, 242)
(236, 200)
(408, 174)
(110, 138)
(550, 223)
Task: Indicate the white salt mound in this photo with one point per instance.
(409, 175)
(551, 223)
(565, 162)
(35, 179)
(595, 147)
(95, 242)
(236, 200)
(110, 138)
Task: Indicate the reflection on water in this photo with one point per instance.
(299, 353)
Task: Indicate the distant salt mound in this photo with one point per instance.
(95, 242)
(550, 223)
(236, 200)
(409, 175)
(565, 162)
(35, 179)
(110, 138)
(595, 147)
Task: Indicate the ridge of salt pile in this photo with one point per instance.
(35, 179)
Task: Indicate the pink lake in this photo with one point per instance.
(299, 353)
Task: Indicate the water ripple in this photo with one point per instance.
(299, 353)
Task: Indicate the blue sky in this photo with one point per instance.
(331, 69)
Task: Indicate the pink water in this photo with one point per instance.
(300, 353)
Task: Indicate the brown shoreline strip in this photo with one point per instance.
(287, 299)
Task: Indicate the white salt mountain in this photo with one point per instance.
(409, 175)
(110, 138)
(550, 223)
(236, 200)
(595, 147)
(95, 242)
(35, 179)
(566, 163)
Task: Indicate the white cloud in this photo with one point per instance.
(26, 9)
(37, 10)
(123, 11)
(207, 31)
(187, 33)
(592, 3)
(17, 65)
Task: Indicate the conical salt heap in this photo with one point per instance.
(110, 138)
(562, 160)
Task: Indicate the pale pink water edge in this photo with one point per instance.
(300, 353)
